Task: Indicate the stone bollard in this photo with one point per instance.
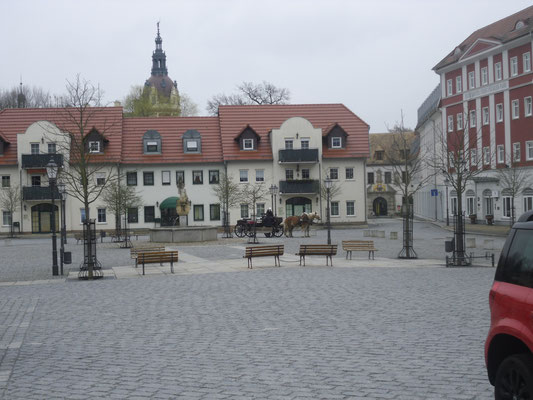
(394, 235)
(471, 243)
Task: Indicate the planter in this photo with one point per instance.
(473, 218)
(490, 219)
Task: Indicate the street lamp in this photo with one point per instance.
(328, 182)
(51, 171)
(273, 192)
(446, 183)
(62, 191)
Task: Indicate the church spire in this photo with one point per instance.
(159, 58)
(21, 98)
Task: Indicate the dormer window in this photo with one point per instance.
(248, 139)
(248, 144)
(192, 141)
(152, 142)
(94, 147)
(519, 25)
(335, 137)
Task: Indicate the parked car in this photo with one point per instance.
(509, 344)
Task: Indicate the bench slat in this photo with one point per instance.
(327, 250)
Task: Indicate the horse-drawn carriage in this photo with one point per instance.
(268, 224)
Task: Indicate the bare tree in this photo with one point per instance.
(228, 194)
(86, 174)
(118, 197)
(27, 97)
(250, 93)
(188, 107)
(457, 158)
(252, 193)
(10, 201)
(514, 180)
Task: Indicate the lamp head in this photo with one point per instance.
(51, 169)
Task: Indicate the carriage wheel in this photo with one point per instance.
(277, 231)
(239, 231)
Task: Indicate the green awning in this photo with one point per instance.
(169, 202)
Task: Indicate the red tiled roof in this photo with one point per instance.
(171, 130)
(502, 31)
(107, 120)
(264, 118)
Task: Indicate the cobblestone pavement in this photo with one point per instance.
(278, 333)
(30, 259)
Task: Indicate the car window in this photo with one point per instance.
(519, 264)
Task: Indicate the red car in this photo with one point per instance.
(509, 345)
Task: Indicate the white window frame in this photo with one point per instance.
(526, 60)
(307, 142)
(348, 214)
(346, 173)
(470, 205)
(259, 175)
(259, 206)
(165, 178)
(485, 115)
(498, 71)
(336, 173)
(473, 157)
(459, 121)
(516, 152)
(507, 204)
(98, 176)
(486, 155)
(450, 123)
(35, 146)
(94, 146)
(529, 150)
(472, 118)
(484, 76)
(336, 146)
(449, 87)
(514, 66)
(98, 215)
(6, 217)
(306, 171)
(244, 207)
(336, 203)
(247, 144)
(243, 176)
(453, 205)
(500, 153)
(515, 108)
(471, 80)
(54, 145)
(82, 215)
(458, 84)
(191, 146)
(499, 112)
(289, 144)
(528, 203)
(528, 106)
(289, 171)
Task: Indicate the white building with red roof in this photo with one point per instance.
(293, 147)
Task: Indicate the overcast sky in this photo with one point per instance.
(373, 56)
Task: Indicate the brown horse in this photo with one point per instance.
(305, 221)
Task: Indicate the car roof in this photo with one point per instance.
(525, 221)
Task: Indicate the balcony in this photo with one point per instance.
(40, 160)
(38, 193)
(298, 156)
(307, 186)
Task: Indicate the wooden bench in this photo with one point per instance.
(327, 250)
(264, 251)
(358, 245)
(153, 257)
(134, 251)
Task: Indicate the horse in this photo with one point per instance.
(305, 221)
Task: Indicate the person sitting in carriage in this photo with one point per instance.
(269, 220)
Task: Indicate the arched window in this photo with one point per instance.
(152, 142)
(192, 141)
(528, 199)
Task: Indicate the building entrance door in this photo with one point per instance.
(41, 218)
(297, 206)
(379, 207)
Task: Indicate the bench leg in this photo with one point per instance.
(171, 265)
(350, 254)
(143, 267)
(250, 262)
(279, 263)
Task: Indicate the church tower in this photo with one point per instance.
(163, 92)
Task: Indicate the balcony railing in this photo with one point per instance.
(298, 156)
(38, 193)
(40, 160)
(306, 186)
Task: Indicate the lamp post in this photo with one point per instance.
(273, 192)
(328, 182)
(446, 182)
(51, 171)
(62, 191)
